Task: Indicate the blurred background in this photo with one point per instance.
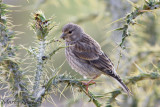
(142, 53)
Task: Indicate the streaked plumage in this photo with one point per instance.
(85, 56)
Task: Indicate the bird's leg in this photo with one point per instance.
(89, 83)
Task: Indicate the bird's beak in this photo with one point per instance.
(62, 36)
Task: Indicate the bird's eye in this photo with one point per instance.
(70, 32)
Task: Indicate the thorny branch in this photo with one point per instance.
(13, 74)
(133, 80)
(74, 82)
(129, 19)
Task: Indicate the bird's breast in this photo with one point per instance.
(79, 65)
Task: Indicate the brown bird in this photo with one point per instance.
(85, 56)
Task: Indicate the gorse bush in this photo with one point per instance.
(37, 78)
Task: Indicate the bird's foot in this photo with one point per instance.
(87, 84)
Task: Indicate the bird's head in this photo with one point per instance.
(71, 32)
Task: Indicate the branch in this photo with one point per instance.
(73, 82)
(40, 64)
(147, 7)
(41, 28)
(55, 80)
(54, 51)
(13, 74)
(142, 76)
(133, 80)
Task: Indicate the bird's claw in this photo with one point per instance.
(86, 84)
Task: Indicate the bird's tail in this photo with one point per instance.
(120, 82)
(114, 75)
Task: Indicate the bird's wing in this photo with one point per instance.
(90, 51)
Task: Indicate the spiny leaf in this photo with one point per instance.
(139, 69)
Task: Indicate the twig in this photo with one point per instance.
(54, 51)
(132, 80)
(40, 64)
(142, 76)
(73, 82)
(147, 7)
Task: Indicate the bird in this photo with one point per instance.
(85, 56)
